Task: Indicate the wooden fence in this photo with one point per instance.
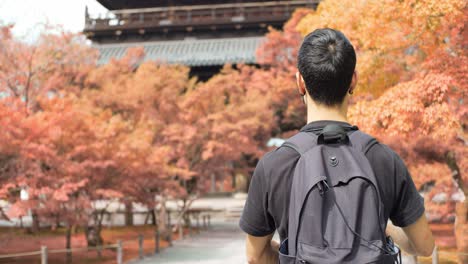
(44, 252)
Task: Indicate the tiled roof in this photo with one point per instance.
(191, 52)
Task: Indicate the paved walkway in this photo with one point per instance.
(223, 243)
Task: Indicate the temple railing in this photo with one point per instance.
(200, 15)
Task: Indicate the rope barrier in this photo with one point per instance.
(453, 253)
(118, 246)
(71, 250)
(130, 241)
(24, 254)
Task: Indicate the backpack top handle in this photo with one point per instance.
(334, 133)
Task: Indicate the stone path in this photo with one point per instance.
(223, 243)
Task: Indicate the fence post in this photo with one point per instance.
(198, 222)
(43, 255)
(209, 220)
(204, 221)
(156, 241)
(435, 256)
(140, 246)
(99, 250)
(119, 252)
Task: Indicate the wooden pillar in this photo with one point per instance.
(189, 224)
(119, 252)
(169, 238)
(43, 255)
(140, 246)
(156, 242)
(181, 232)
(435, 256)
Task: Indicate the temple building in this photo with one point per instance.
(203, 34)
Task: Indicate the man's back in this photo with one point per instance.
(267, 207)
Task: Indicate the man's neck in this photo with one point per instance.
(320, 112)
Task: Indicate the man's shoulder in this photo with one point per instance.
(280, 157)
(382, 152)
(386, 163)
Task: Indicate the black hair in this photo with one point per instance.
(326, 61)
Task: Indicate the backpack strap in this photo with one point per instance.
(305, 140)
(362, 141)
(301, 142)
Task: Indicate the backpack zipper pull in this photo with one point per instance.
(323, 187)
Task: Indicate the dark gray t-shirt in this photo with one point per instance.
(266, 208)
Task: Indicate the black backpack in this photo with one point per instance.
(335, 209)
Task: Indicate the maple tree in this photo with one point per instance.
(54, 63)
(61, 154)
(147, 99)
(227, 122)
(391, 39)
(32, 77)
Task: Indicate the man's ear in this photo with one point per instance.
(300, 84)
(353, 84)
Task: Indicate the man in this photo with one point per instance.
(326, 78)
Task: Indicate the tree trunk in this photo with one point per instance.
(233, 181)
(35, 222)
(57, 222)
(213, 183)
(68, 243)
(162, 217)
(153, 217)
(128, 213)
(93, 233)
(461, 211)
(147, 217)
(183, 214)
(247, 185)
(99, 229)
(451, 161)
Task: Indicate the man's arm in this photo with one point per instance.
(262, 250)
(415, 239)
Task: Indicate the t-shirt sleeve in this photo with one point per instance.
(409, 204)
(256, 220)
